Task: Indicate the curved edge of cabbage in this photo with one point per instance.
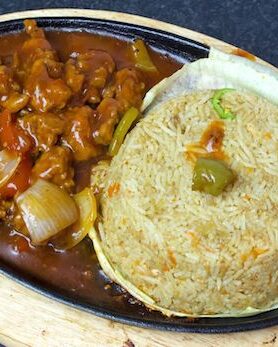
(219, 70)
(117, 277)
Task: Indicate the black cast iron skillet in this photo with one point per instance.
(130, 312)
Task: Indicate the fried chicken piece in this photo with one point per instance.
(78, 133)
(55, 166)
(45, 129)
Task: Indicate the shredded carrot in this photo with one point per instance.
(113, 189)
(172, 257)
(267, 135)
(255, 252)
(247, 197)
(258, 251)
(195, 238)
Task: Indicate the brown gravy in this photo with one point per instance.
(75, 271)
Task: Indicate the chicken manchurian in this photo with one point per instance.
(58, 117)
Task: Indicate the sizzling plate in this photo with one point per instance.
(183, 50)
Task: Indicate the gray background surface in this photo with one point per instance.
(249, 24)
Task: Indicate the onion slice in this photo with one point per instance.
(74, 234)
(9, 162)
(46, 209)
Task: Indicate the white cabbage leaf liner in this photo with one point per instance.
(219, 70)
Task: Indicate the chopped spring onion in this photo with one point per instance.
(9, 162)
(122, 129)
(216, 99)
(74, 234)
(46, 209)
(141, 57)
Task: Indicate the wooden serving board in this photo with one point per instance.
(30, 319)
